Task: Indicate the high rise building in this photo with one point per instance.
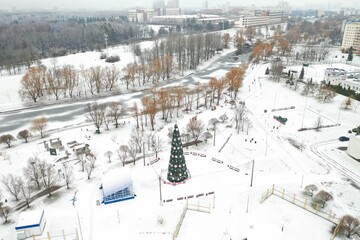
(205, 4)
(158, 4)
(172, 4)
(351, 36)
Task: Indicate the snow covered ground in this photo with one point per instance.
(235, 208)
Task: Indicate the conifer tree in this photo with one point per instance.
(301, 74)
(177, 171)
(350, 56)
(267, 72)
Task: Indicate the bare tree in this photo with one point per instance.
(112, 76)
(71, 80)
(322, 197)
(5, 212)
(212, 123)
(12, 184)
(81, 157)
(32, 83)
(55, 82)
(325, 93)
(347, 103)
(240, 113)
(349, 225)
(68, 174)
(107, 120)
(122, 153)
(276, 69)
(7, 139)
(108, 154)
(223, 117)
(26, 190)
(49, 176)
(136, 114)
(117, 110)
(96, 77)
(90, 166)
(133, 151)
(24, 134)
(137, 137)
(157, 144)
(195, 127)
(96, 113)
(32, 171)
(39, 125)
(310, 189)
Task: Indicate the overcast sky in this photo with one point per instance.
(118, 4)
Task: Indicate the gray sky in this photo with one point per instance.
(118, 4)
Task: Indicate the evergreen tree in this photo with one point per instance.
(267, 72)
(292, 77)
(288, 73)
(177, 171)
(302, 73)
(350, 56)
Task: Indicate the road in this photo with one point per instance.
(70, 114)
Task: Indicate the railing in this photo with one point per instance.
(300, 202)
(178, 226)
(64, 234)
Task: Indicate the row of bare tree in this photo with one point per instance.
(149, 67)
(167, 100)
(38, 175)
(38, 125)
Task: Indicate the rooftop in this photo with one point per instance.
(29, 218)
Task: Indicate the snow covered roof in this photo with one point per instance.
(116, 180)
(30, 219)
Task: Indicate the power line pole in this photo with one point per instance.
(252, 172)
(106, 38)
(160, 190)
(144, 152)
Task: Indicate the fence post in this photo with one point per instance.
(294, 198)
(48, 234)
(283, 193)
(267, 193)
(305, 203)
(273, 187)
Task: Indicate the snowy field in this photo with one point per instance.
(235, 211)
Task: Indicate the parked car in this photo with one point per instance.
(343, 139)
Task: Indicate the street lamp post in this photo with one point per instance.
(144, 151)
(338, 119)
(275, 100)
(266, 143)
(302, 122)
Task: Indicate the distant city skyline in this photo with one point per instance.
(116, 4)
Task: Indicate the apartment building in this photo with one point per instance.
(351, 37)
(261, 18)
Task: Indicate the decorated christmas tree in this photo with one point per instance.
(177, 171)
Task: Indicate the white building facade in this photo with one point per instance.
(351, 37)
(354, 147)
